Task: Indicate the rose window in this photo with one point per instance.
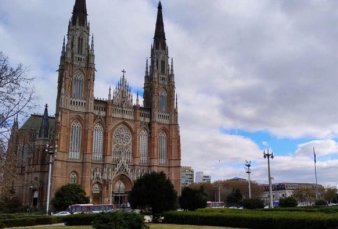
(122, 140)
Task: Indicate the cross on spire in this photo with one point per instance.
(124, 72)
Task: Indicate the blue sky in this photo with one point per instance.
(265, 140)
(247, 73)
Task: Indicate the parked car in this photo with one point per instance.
(62, 213)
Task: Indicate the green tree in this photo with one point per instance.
(153, 191)
(330, 194)
(234, 198)
(304, 195)
(191, 199)
(288, 202)
(67, 195)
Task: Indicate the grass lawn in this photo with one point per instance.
(152, 226)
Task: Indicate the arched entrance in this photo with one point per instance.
(121, 188)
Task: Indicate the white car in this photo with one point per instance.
(62, 213)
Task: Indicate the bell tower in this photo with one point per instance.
(159, 100)
(77, 64)
(74, 116)
(159, 82)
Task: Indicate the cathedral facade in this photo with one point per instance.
(103, 145)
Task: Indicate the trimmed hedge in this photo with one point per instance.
(78, 219)
(254, 219)
(119, 220)
(30, 221)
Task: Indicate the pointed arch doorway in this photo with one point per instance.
(121, 187)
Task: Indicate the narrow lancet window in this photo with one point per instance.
(97, 143)
(162, 148)
(143, 147)
(78, 86)
(163, 102)
(75, 140)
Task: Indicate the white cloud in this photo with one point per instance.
(262, 65)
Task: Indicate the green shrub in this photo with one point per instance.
(320, 203)
(192, 199)
(287, 202)
(2, 225)
(78, 219)
(17, 220)
(253, 203)
(118, 220)
(256, 219)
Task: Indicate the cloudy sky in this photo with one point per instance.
(250, 75)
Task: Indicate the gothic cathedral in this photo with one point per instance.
(103, 145)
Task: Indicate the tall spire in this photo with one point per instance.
(159, 37)
(79, 13)
(44, 128)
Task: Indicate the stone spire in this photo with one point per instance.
(79, 13)
(159, 37)
(122, 95)
(44, 127)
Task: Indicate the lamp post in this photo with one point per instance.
(50, 150)
(248, 171)
(267, 154)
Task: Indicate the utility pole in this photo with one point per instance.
(51, 150)
(248, 171)
(267, 154)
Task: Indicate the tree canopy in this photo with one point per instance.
(16, 93)
(67, 195)
(235, 198)
(192, 199)
(153, 191)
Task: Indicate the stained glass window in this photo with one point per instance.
(143, 147)
(162, 148)
(122, 144)
(97, 142)
(75, 140)
(73, 178)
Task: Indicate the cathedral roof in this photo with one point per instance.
(34, 122)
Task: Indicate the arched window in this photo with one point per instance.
(143, 147)
(163, 102)
(162, 67)
(97, 142)
(78, 86)
(80, 46)
(162, 148)
(75, 140)
(73, 178)
(119, 187)
(122, 143)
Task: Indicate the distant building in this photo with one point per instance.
(282, 190)
(200, 177)
(187, 176)
(206, 179)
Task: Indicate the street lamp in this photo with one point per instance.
(267, 154)
(51, 150)
(248, 171)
